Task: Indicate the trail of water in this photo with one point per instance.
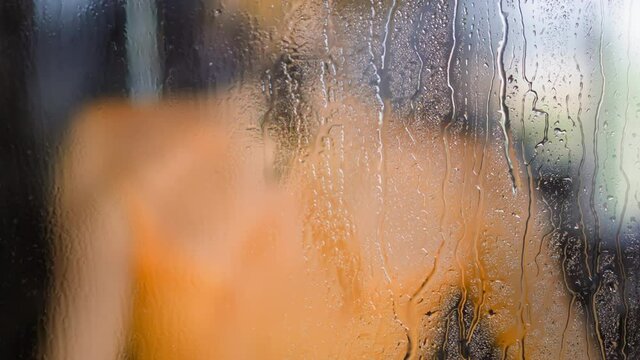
(504, 110)
(327, 52)
(414, 40)
(583, 231)
(524, 302)
(445, 181)
(481, 174)
(623, 275)
(380, 176)
(597, 247)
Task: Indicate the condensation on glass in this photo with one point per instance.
(468, 173)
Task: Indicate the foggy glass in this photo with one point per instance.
(465, 175)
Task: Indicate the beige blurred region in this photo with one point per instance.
(175, 240)
(268, 12)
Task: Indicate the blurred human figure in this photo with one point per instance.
(227, 225)
(177, 241)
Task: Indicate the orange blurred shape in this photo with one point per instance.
(341, 257)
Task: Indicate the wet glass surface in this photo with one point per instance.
(320, 179)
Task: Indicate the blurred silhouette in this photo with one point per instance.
(172, 242)
(321, 93)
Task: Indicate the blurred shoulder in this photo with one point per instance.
(114, 141)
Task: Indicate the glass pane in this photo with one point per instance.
(320, 179)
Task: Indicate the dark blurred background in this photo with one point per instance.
(55, 57)
(44, 77)
(23, 244)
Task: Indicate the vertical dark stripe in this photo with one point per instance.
(181, 24)
(23, 248)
